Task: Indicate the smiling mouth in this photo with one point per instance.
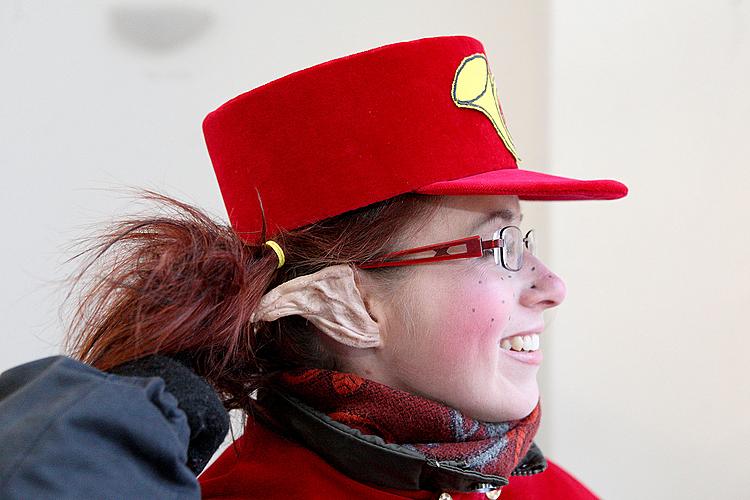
(521, 343)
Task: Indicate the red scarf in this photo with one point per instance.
(437, 431)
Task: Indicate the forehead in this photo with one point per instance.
(472, 207)
(457, 216)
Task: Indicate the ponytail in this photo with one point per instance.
(179, 282)
(170, 283)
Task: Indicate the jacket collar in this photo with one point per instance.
(369, 459)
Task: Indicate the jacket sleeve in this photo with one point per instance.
(68, 430)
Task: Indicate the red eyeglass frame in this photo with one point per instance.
(474, 247)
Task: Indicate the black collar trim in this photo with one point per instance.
(369, 459)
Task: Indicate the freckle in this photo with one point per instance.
(480, 282)
(510, 276)
(473, 310)
(493, 319)
(533, 268)
(508, 318)
(502, 278)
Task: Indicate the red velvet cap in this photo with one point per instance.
(419, 116)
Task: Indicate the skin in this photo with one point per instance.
(440, 332)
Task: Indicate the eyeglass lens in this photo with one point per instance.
(510, 255)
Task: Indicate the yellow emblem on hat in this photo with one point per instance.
(474, 88)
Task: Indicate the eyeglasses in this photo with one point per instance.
(506, 244)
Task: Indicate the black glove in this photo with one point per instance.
(206, 415)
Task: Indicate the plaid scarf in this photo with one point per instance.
(437, 431)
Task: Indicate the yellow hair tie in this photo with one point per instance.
(278, 250)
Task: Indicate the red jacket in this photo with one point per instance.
(263, 464)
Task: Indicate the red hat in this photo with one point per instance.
(419, 116)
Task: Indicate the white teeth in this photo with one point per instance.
(527, 343)
(521, 343)
(516, 343)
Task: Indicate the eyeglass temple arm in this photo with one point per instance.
(474, 247)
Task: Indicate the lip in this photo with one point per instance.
(529, 358)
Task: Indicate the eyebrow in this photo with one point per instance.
(505, 214)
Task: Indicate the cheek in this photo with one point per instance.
(471, 316)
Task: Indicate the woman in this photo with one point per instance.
(374, 308)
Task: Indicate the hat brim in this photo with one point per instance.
(528, 185)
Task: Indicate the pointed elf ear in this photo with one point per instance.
(330, 300)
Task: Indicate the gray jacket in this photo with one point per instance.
(68, 430)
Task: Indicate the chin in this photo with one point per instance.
(524, 410)
(517, 404)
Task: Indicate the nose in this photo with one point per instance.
(541, 287)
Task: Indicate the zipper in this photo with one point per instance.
(535, 464)
(495, 481)
(529, 471)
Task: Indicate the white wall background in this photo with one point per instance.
(644, 394)
(648, 389)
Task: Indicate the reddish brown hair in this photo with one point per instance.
(182, 282)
